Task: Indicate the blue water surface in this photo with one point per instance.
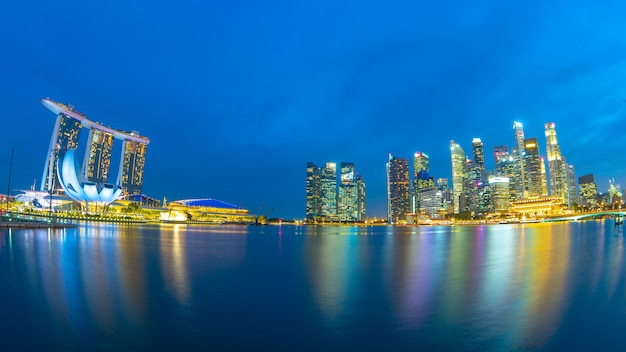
(107, 287)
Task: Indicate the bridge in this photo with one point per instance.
(600, 214)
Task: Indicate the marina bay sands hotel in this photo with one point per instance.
(96, 166)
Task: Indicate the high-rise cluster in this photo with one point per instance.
(332, 199)
(417, 195)
(519, 174)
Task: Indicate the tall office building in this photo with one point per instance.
(532, 167)
(361, 193)
(313, 192)
(519, 157)
(588, 191)
(544, 178)
(329, 191)
(499, 152)
(556, 165)
(348, 193)
(500, 194)
(398, 189)
(459, 177)
(442, 184)
(131, 173)
(98, 157)
(421, 178)
(506, 167)
(478, 153)
(431, 201)
(65, 137)
(571, 196)
(615, 193)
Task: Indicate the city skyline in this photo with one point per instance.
(228, 91)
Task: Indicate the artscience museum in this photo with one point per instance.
(76, 186)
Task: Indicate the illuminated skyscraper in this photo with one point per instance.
(499, 152)
(65, 137)
(421, 162)
(571, 197)
(398, 189)
(506, 167)
(131, 171)
(361, 193)
(348, 193)
(500, 194)
(544, 179)
(588, 191)
(518, 156)
(313, 192)
(329, 191)
(556, 165)
(478, 152)
(98, 157)
(459, 177)
(421, 178)
(442, 184)
(532, 162)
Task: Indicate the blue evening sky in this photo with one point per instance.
(236, 96)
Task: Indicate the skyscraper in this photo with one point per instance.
(544, 179)
(500, 194)
(478, 152)
(571, 197)
(98, 157)
(499, 152)
(65, 137)
(329, 191)
(459, 176)
(313, 192)
(421, 178)
(506, 167)
(519, 157)
(398, 189)
(131, 172)
(348, 193)
(532, 163)
(556, 165)
(361, 193)
(588, 191)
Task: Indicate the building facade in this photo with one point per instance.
(588, 191)
(348, 201)
(328, 182)
(519, 154)
(398, 189)
(557, 167)
(459, 177)
(95, 169)
(532, 167)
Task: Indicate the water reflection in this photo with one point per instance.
(503, 287)
(174, 264)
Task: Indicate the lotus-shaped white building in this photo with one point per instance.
(77, 187)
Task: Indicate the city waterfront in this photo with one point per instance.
(163, 287)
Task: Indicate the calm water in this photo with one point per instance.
(493, 288)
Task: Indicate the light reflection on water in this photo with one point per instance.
(465, 288)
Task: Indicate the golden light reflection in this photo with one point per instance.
(544, 275)
(174, 264)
